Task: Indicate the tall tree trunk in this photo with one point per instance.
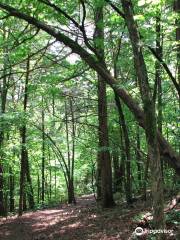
(145, 179)
(122, 179)
(2, 208)
(138, 158)
(177, 10)
(30, 193)
(71, 170)
(11, 190)
(150, 118)
(25, 170)
(125, 135)
(69, 187)
(38, 189)
(158, 76)
(71, 196)
(4, 89)
(116, 167)
(103, 155)
(22, 174)
(43, 155)
(70, 150)
(24, 201)
(128, 187)
(177, 22)
(98, 177)
(50, 174)
(158, 70)
(55, 180)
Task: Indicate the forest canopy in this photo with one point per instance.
(89, 102)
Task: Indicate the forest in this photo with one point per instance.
(89, 119)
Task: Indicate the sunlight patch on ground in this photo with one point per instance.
(51, 211)
(73, 225)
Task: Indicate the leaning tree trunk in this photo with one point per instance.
(150, 118)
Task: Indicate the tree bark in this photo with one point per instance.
(177, 10)
(145, 179)
(38, 189)
(25, 170)
(138, 158)
(159, 52)
(124, 135)
(71, 197)
(116, 167)
(150, 118)
(70, 149)
(22, 201)
(50, 174)
(30, 194)
(43, 156)
(128, 184)
(2, 208)
(4, 89)
(104, 166)
(11, 190)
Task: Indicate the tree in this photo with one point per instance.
(43, 153)
(104, 159)
(3, 90)
(165, 149)
(150, 117)
(85, 96)
(25, 189)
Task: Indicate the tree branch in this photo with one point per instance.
(166, 68)
(166, 150)
(116, 8)
(76, 24)
(177, 86)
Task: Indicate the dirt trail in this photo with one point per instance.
(80, 222)
(83, 221)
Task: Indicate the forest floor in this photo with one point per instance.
(83, 221)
